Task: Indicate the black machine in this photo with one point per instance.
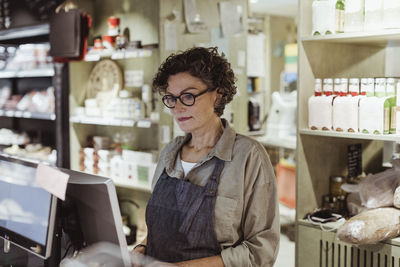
(33, 220)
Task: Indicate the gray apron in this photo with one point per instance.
(180, 218)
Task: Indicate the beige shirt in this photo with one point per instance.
(246, 216)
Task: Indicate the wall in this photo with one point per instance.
(282, 31)
(209, 13)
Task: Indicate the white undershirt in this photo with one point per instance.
(187, 166)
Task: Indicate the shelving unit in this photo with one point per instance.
(144, 131)
(380, 137)
(142, 123)
(27, 73)
(27, 115)
(122, 54)
(321, 154)
(378, 38)
(48, 128)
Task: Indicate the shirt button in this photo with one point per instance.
(211, 191)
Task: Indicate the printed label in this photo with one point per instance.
(386, 120)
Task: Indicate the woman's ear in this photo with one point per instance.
(220, 94)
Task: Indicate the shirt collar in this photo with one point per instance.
(223, 149)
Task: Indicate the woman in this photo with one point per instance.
(214, 200)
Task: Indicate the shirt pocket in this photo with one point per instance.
(224, 218)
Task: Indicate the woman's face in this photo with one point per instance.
(191, 118)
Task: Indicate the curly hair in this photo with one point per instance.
(204, 63)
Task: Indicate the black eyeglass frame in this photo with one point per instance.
(179, 97)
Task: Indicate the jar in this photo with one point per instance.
(328, 202)
(328, 86)
(113, 26)
(354, 86)
(335, 183)
(340, 205)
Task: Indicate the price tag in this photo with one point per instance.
(18, 114)
(354, 160)
(144, 124)
(93, 57)
(127, 123)
(27, 114)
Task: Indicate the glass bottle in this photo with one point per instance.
(339, 13)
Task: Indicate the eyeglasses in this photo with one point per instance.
(187, 99)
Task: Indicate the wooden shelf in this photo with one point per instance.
(27, 115)
(142, 123)
(118, 54)
(36, 161)
(381, 137)
(379, 38)
(134, 187)
(24, 32)
(288, 143)
(27, 73)
(332, 227)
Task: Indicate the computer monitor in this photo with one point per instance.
(98, 211)
(27, 212)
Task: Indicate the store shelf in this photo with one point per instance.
(381, 137)
(380, 38)
(134, 187)
(27, 73)
(256, 133)
(119, 54)
(333, 226)
(27, 115)
(36, 161)
(24, 32)
(144, 123)
(288, 142)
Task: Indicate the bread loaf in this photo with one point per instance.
(396, 199)
(371, 226)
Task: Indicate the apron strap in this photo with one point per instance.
(210, 190)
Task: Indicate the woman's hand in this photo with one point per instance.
(138, 259)
(139, 249)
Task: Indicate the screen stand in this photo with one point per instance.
(7, 245)
(55, 258)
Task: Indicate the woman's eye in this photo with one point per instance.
(169, 98)
(187, 97)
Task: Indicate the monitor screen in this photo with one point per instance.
(27, 212)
